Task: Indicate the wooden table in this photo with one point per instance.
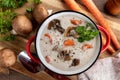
(55, 5)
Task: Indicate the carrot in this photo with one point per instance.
(48, 35)
(87, 46)
(76, 22)
(47, 58)
(102, 21)
(96, 13)
(110, 49)
(69, 42)
(72, 5)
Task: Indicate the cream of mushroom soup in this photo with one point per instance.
(68, 42)
(60, 46)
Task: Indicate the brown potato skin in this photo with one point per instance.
(7, 57)
(39, 13)
(22, 25)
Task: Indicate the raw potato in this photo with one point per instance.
(22, 25)
(39, 13)
(7, 57)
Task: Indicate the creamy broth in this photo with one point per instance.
(58, 39)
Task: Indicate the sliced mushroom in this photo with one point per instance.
(57, 48)
(70, 31)
(67, 57)
(64, 55)
(75, 62)
(55, 24)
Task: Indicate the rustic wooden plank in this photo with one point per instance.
(13, 75)
(37, 76)
(4, 76)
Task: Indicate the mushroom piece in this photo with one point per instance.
(7, 57)
(75, 62)
(56, 48)
(64, 55)
(21, 25)
(55, 24)
(70, 31)
(39, 13)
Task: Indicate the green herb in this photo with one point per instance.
(5, 22)
(89, 25)
(86, 34)
(8, 37)
(8, 3)
(21, 2)
(12, 3)
(37, 1)
(29, 10)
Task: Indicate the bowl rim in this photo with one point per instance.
(82, 15)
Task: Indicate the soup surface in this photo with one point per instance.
(64, 47)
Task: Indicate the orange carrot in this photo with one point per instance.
(110, 49)
(76, 22)
(101, 20)
(87, 46)
(72, 5)
(47, 58)
(48, 35)
(69, 42)
(96, 13)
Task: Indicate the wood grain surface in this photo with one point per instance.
(19, 43)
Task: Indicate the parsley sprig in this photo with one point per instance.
(5, 24)
(86, 33)
(15, 3)
(37, 1)
(12, 3)
(7, 14)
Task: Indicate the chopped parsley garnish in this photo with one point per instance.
(86, 33)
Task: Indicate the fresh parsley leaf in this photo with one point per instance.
(12, 3)
(5, 23)
(80, 29)
(81, 39)
(37, 1)
(8, 3)
(89, 25)
(86, 34)
(29, 10)
(21, 2)
(7, 37)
